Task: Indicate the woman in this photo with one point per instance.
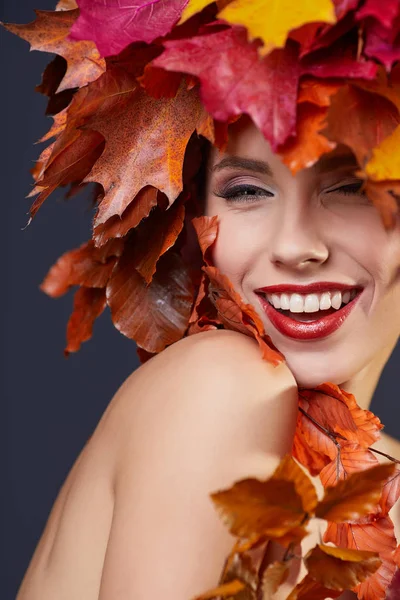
(134, 518)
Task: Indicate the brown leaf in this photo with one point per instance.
(385, 195)
(137, 210)
(228, 590)
(355, 496)
(89, 303)
(156, 234)
(340, 568)
(309, 589)
(49, 33)
(154, 315)
(274, 575)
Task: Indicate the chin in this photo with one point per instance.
(311, 375)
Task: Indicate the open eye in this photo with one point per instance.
(243, 193)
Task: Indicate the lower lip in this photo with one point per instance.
(307, 330)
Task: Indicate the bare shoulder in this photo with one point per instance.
(207, 376)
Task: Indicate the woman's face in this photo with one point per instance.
(316, 226)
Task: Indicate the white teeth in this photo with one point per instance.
(285, 301)
(296, 304)
(276, 301)
(309, 303)
(325, 301)
(336, 299)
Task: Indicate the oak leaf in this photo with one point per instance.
(114, 24)
(233, 79)
(146, 141)
(49, 33)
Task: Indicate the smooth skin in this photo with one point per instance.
(134, 518)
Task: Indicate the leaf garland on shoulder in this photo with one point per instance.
(136, 91)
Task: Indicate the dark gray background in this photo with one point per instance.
(50, 405)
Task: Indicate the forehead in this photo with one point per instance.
(248, 149)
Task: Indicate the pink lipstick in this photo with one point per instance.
(307, 330)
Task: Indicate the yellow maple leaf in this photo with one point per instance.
(193, 7)
(385, 161)
(272, 20)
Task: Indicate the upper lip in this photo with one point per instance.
(318, 286)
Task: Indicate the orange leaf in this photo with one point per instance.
(309, 145)
(49, 33)
(226, 590)
(385, 195)
(289, 470)
(376, 536)
(340, 568)
(89, 303)
(355, 496)
(87, 266)
(361, 120)
(350, 458)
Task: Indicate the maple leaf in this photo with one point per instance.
(377, 536)
(114, 24)
(49, 33)
(233, 79)
(381, 43)
(309, 145)
(355, 496)
(384, 162)
(361, 120)
(373, 8)
(135, 305)
(273, 20)
(89, 303)
(340, 568)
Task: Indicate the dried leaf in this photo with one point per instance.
(309, 589)
(89, 303)
(49, 33)
(355, 496)
(376, 536)
(340, 568)
(154, 315)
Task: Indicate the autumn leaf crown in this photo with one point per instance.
(135, 90)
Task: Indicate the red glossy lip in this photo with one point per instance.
(318, 286)
(307, 330)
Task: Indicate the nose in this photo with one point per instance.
(298, 242)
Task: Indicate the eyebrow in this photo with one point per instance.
(325, 163)
(240, 162)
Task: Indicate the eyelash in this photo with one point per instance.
(239, 192)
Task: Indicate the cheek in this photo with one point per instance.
(237, 247)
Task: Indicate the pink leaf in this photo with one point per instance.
(114, 24)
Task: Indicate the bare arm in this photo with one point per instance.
(204, 413)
